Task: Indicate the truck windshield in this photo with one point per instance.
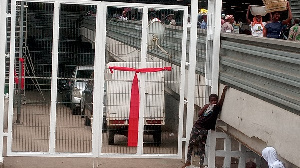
(84, 73)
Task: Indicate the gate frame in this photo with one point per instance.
(99, 78)
(3, 16)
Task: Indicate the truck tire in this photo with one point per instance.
(111, 137)
(157, 136)
(74, 109)
(87, 121)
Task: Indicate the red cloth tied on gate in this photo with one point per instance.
(135, 101)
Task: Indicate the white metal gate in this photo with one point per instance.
(65, 112)
(54, 120)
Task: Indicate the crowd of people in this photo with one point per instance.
(275, 27)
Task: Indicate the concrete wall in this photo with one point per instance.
(260, 120)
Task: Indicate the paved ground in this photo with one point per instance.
(40, 162)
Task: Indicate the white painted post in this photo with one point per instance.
(99, 69)
(191, 72)
(216, 22)
(227, 149)
(242, 159)
(142, 78)
(54, 77)
(216, 46)
(211, 147)
(2, 72)
(209, 42)
(208, 64)
(182, 81)
(11, 74)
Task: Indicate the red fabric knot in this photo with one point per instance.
(135, 101)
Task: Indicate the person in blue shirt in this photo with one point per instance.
(274, 28)
(203, 24)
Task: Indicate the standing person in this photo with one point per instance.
(203, 24)
(294, 34)
(222, 19)
(256, 25)
(123, 17)
(270, 155)
(274, 28)
(227, 26)
(170, 20)
(153, 18)
(206, 121)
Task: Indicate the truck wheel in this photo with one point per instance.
(111, 135)
(74, 109)
(87, 121)
(104, 126)
(157, 136)
(82, 107)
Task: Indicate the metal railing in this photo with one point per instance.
(265, 68)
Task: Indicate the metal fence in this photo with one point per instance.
(73, 103)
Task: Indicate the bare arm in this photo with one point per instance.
(265, 32)
(270, 17)
(247, 15)
(290, 15)
(202, 110)
(220, 103)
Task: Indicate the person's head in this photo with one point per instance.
(204, 18)
(213, 99)
(229, 18)
(276, 15)
(170, 16)
(152, 16)
(258, 18)
(124, 14)
(223, 16)
(296, 20)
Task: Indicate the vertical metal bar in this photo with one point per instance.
(54, 77)
(216, 46)
(11, 74)
(182, 81)
(209, 41)
(2, 72)
(191, 71)
(142, 79)
(99, 68)
(20, 64)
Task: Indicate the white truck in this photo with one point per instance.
(119, 85)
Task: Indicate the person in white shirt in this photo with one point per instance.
(257, 26)
(270, 155)
(123, 17)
